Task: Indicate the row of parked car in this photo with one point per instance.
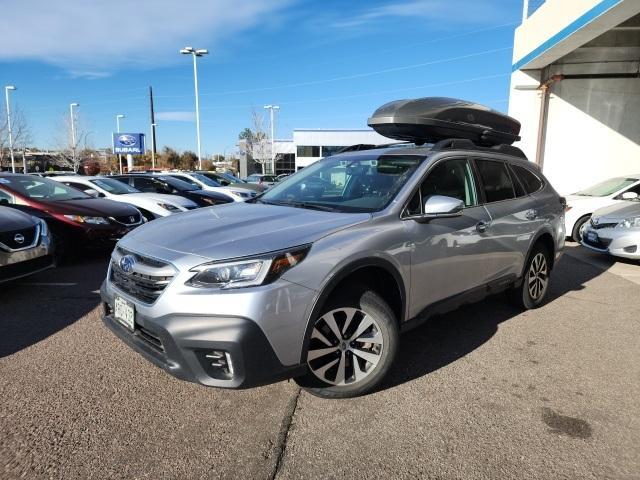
(43, 219)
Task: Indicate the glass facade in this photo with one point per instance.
(327, 151)
(308, 151)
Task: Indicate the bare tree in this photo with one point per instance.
(257, 140)
(21, 133)
(72, 154)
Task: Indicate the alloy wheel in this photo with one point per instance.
(538, 277)
(346, 346)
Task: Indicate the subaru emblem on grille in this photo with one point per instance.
(127, 262)
(18, 238)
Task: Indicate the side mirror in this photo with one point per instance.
(439, 206)
(4, 201)
(93, 193)
(629, 196)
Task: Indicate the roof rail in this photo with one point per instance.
(368, 146)
(465, 144)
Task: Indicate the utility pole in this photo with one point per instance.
(9, 126)
(271, 108)
(153, 130)
(118, 117)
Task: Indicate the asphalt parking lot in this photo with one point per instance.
(485, 392)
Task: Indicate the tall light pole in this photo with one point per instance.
(118, 117)
(73, 132)
(153, 145)
(271, 108)
(195, 54)
(9, 126)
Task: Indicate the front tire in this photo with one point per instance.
(352, 346)
(575, 233)
(535, 282)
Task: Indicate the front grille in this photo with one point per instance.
(146, 287)
(128, 219)
(601, 243)
(149, 338)
(598, 226)
(28, 236)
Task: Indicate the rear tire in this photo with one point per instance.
(535, 281)
(352, 346)
(575, 233)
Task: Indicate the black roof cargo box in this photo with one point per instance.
(431, 119)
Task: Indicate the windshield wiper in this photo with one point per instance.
(298, 204)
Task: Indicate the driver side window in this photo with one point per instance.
(450, 178)
(5, 198)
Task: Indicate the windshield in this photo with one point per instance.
(178, 184)
(40, 188)
(608, 187)
(115, 187)
(231, 178)
(362, 184)
(204, 179)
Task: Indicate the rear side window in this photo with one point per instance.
(496, 180)
(529, 180)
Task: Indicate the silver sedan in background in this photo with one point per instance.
(615, 230)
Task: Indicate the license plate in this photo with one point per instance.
(592, 236)
(124, 313)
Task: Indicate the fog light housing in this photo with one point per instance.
(631, 249)
(219, 363)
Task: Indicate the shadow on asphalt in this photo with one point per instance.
(35, 307)
(443, 339)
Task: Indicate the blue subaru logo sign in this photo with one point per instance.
(126, 143)
(127, 262)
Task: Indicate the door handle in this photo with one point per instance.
(482, 226)
(531, 214)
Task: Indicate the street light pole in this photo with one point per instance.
(118, 117)
(271, 108)
(73, 132)
(9, 126)
(195, 54)
(153, 145)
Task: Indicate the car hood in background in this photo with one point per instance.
(159, 198)
(239, 230)
(619, 211)
(90, 207)
(12, 219)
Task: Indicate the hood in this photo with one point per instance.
(584, 199)
(12, 219)
(90, 207)
(239, 229)
(161, 198)
(619, 211)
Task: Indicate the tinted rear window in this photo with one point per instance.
(496, 180)
(529, 180)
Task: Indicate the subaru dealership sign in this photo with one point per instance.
(128, 143)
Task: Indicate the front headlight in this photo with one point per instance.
(168, 206)
(88, 220)
(241, 194)
(248, 272)
(633, 222)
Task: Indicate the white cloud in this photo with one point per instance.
(94, 37)
(176, 116)
(448, 11)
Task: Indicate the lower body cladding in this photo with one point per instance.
(619, 242)
(14, 265)
(215, 349)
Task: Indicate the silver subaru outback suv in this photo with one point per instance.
(316, 278)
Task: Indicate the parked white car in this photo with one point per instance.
(615, 230)
(582, 204)
(237, 194)
(151, 205)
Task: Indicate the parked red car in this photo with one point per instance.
(76, 219)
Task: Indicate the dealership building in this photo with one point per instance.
(575, 88)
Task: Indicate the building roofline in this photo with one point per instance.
(333, 130)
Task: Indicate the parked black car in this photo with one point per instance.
(173, 186)
(25, 245)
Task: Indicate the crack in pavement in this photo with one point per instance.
(283, 434)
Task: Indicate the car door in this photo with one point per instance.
(447, 254)
(514, 219)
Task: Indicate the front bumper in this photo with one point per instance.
(619, 242)
(180, 342)
(14, 265)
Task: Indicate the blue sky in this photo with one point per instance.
(328, 64)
